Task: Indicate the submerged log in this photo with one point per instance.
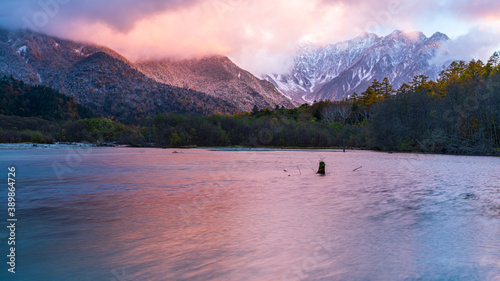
(321, 169)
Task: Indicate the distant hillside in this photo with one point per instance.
(111, 85)
(98, 77)
(20, 99)
(219, 77)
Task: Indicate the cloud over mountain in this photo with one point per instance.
(259, 35)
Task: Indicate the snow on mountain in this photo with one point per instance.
(219, 77)
(22, 50)
(338, 70)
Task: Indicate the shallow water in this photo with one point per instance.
(152, 214)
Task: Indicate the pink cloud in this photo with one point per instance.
(478, 9)
(257, 34)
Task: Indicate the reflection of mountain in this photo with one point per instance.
(338, 70)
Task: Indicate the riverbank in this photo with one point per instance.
(464, 152)
(81, 145)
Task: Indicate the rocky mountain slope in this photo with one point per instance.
(338, 70)
(110, 84)
(219, 77)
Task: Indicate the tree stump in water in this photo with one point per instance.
(321, 169)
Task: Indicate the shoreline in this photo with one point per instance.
(81, 145)
(74, 145)
(332, 149)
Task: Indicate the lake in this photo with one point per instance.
(200, 214)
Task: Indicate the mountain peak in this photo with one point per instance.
(396, 33)
(336, 71)
(216, 59)
(438, 36)
(366, 35)
(412, 35)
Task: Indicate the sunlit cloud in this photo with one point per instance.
(259, 35)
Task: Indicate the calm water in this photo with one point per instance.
(151, 214)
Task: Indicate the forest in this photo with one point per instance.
(38, 114)
(459, 113)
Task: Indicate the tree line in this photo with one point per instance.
(459, 113)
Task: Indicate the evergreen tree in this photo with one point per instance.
(386, 88)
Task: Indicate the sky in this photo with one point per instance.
(258, 35)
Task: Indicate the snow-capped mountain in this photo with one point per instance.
(338, 70)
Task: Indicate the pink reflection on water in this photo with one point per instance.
(219, 215)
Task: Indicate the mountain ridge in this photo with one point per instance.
(216, 76)
(100, 77)
(336, 71)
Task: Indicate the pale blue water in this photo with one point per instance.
(151, 214)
